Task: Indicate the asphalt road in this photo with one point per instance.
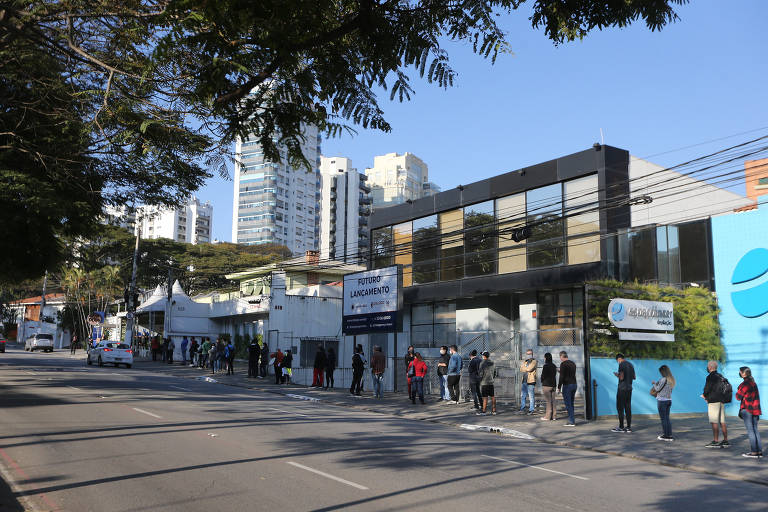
(80, 438)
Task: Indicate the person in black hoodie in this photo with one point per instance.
(474, 377)
(357, 372)
(263, 361)
(548, 385)
(287, 367)
(319, 367)
(253, 358)
(330, 366)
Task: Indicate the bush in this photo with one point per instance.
(697, 329)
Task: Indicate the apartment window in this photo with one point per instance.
(426, 249)
(479, 239)
(545, 218)
(583, 220)
(510, 212)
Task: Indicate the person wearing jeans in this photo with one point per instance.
(528, 388)
(625, 374)
(378, 365)
(749, 411)
(567, 386)
(417, 377)
(663, 389)
(454, 374)
(473, 369)
(442, 370)
(548, 385)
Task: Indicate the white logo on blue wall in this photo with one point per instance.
(751, 302)
(618, 312)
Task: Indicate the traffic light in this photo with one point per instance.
(520, 234)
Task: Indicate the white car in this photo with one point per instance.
(39, 341)
(112, 352)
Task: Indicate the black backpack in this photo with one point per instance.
(724, 390)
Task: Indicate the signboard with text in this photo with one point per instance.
(642, 315)
(372, 301)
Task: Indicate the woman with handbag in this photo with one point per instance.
(662, 390)
(749, 411)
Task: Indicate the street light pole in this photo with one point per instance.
(132, 290)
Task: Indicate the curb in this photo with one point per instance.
(506, 432)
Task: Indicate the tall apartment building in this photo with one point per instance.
(191, 223)
(274, 202)
(123, 216)
(344, 211)
(395, 179)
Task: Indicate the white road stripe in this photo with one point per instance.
(326, 475)
(181, 388)
(147, 413)
(73, 387)
(287, 412)
(535, 467)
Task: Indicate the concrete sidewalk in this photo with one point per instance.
(691, 432)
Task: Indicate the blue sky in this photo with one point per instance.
(702, 78)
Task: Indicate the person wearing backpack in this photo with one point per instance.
(717, 392)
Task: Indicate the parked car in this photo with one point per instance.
(112, 352)
(39, 341)
(2, 343)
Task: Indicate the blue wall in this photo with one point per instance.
(690, 376)
(743, 316)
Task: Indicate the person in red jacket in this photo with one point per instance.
(749, 411)
(417, 377)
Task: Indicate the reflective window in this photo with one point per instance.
(545, 209)
(433, 325)
(582, 220)
(426, 249)
(479, 239)
(694, 251)
(510, 214)
(452, 245)
(403, 245)
(381, 247)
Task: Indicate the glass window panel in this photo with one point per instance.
(673, 254)
(425, 272)
(403, 238)
(452, 245)
(445, 312)
(479, 239)
(511, 214)
(426, 239)
(582, 217)
(694, 247)
(585, 249)
(445, 334)
(382, 247)
(512, 260)
(421, 314)
(662, 256)
(422, 336)
(544, 215)
(642, 255)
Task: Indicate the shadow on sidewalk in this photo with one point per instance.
(8, 501)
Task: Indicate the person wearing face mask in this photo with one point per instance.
(442, 373)
(409, 357)
(528, 371)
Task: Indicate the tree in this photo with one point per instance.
(149, 94)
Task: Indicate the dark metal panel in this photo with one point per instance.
(579, 164)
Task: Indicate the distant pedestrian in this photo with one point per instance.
(193, 351)
(442, 373)
(749, 411)
(378, 366)
(164, 349)
(625, 374)
(73, 345)
(155, 346)
(528, 370)
(715, 395)
(453, 374)
(184, 346)
(548, 386)
(221, 355)
(253, 358)
(318, 368)
(205, 350)
(263, 360)
(365, 365)
(417, 369)
(663, 390)
(277, 363)
(287, 367)
(171, 350)
(357, 372)
(330, 367)
(473, 369)
(409, 356)
(566, 384)
(229, 354)
(487, 374)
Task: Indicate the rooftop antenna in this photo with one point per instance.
(602, 139)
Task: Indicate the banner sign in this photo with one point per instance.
(372, 301)
(643, 315)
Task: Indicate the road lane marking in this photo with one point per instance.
(535, 467)
(73, 387)
(326, 475)
(147, 413)
(181, 388)
(287, 412)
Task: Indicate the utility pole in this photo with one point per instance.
(131, 302)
